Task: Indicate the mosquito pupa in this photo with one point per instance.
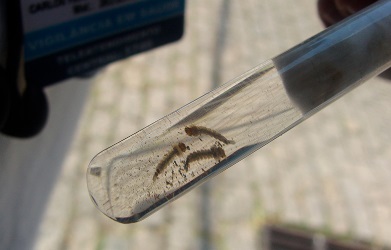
(199, 130)
(177, 150)
(214, 152)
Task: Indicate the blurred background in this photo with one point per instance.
(329, 176)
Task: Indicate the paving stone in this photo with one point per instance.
(330, 173)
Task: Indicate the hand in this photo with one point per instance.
(333, 11)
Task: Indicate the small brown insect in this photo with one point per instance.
(177, 150)
(96, 171)
(199, 130)
(214, 152)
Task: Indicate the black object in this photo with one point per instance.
(4, 98)
(23, 109)
(276, 237)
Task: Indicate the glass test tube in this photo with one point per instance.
(133, 178)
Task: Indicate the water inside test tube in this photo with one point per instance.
(248, 112)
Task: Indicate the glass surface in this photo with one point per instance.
(159, 163)
(330, 173)
(139, 174)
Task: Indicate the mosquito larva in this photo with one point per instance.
(96, 171)
(177, 150)
(214, 152)
(199, 130)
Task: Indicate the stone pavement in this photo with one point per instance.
(332, 173)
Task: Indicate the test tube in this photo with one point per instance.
(133, 178)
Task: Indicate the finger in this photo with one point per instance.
(349, 7)
(328, 12)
